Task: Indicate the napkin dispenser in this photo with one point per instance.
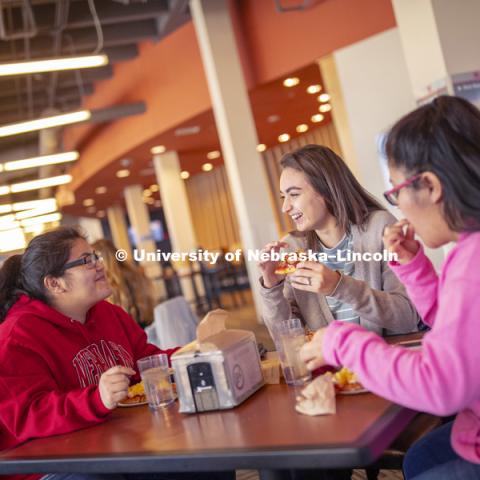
(218, 373)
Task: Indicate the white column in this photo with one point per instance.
(175, 202)
(119, 229)
(140, 222)
(92, 227)
(440, 40)
(177, 215)
(236, 127)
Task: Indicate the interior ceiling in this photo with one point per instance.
(276, 110)
(66, 27)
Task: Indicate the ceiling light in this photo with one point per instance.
(291, 82)
(326, 107)
(4, 190)
(44, 202)
(273, 118)
(158, 149)
(207, 167)
(148, 201)
(53, 65)
(88, 202)
(147, 193)
(40, 183)
(153, 188)
(123, 173)
(184, 174)
(284, 137)
(303, 127)
(47, 122)
(101, 213)
(6, 208)
(318, 117)
(312, 89)
(157, 203)
(185, 131)
(101, 190)
(12, 237)
(261, 147)
(213, 155)
(52, 217)
(91, 209)
(34, 212)
(39, 161)
(324, 97)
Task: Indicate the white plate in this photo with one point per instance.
(121, 404)
(352, 392)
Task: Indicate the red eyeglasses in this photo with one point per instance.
(391, 196)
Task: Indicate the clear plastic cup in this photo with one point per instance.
(289, 339)
(155, 375)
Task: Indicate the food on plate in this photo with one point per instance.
(289, 265)
(346, 381)
(136, 394)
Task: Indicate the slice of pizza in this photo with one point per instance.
(289, 265)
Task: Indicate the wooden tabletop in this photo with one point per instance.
(265, 432)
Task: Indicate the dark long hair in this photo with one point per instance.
(443, 137)
(329, 175)
(45, 255)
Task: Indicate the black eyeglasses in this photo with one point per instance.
(89, 260)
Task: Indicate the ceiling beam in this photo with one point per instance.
(82, 40)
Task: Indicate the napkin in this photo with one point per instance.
(212, 323)
(317, 398)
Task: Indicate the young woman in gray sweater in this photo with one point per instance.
(335, 218)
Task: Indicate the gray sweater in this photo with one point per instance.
(373, 291)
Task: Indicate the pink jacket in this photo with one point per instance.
(442, 378)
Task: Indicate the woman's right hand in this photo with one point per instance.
(401, 241)
(113, 385)
(267, 267)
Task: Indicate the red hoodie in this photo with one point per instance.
(51, 365)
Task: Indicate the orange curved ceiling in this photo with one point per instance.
(169, 78)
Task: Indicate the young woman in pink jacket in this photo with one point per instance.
(434, 162)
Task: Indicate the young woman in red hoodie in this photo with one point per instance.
(66, 354)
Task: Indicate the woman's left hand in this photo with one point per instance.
(315, 277)
(312, 352)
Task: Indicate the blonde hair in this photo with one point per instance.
(132, 290)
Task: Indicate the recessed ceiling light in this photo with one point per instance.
(100, 190)
(312, 89)
(123, 173)
(303, 127)
(158, 149)
(184, 131)
(158, 203)
(326, 107)
(149, 201)
(147, 193)
(261, 147)
(153, 188)
(125, 162)
(318, 117)
(284, 137)
(324, 97)
(91, 210)
(88, 202)
(207, 167)
(213, 155)
(273, 118)
(291, 82)
(184, 174)
(101, 213)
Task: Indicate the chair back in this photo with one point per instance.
(174, 324)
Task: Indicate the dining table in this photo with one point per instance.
(265, 433)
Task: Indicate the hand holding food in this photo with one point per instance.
(311, 352)
(136, 394)
(268, 267)
(113, 385)
(315, 277)
(345, 381)
(401, 241)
